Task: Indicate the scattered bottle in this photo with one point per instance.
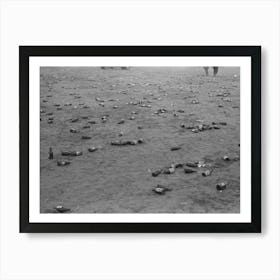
(226, 158)
(85, 137)
(159, 189)
(207, 173)
(191, 164)
(71, 153)
(61, 209)
(50, 153)
(63, 162)
(156, 173)
(73, 130)
(92, 149)
(175, 148)
(189, 170)
(221, 186)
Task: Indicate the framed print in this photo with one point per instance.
(140, 138)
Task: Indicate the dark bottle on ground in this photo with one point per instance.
(50, 153)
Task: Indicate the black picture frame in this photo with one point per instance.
(25, 52)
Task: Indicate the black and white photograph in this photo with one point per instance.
(140, 139)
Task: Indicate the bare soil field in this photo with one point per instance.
(181, 115)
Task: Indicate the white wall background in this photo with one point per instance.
(139, 256)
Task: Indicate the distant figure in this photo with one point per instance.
(206, 70)
(215, 70)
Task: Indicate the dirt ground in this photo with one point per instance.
(118, 179)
